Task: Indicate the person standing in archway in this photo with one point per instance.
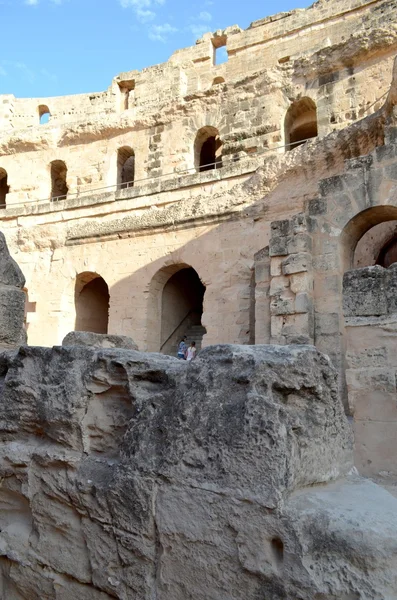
(191, 352)
(182, 349)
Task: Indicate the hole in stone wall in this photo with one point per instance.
(220, 50)
(125, 167)
(378, 246)
(44, 114)
(126, 88)
(59, 187)
(277, 546)
(208, 149)
(91, 303)
(300, 123)
(4, 188)
(218, 80)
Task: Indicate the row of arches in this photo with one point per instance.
(300, 125)
(181, 305)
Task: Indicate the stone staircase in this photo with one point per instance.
(195, 333)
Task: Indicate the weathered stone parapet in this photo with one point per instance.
(12, 300)
(370, 291)
(99, 340)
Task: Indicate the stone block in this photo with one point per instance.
(391, 288)
(278, 285)
(282, 306)
(275, 266)
(303, 303)
(300, 242)
(278, 246)
(297, 263)
(12, 314)
(301, 282)
(364, 292)
(99, 340)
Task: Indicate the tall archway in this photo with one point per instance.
(59, 187)
(208, 149)
(125, 167)
(91, 303)
(44, 114)
(300, 123)
(4, 188)
(175, 308)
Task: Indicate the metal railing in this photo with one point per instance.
(176, 329)
(202, 172)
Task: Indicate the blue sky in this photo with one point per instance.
(58, 47)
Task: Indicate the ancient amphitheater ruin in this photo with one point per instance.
(252, 206)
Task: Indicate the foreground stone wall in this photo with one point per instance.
(135, 475)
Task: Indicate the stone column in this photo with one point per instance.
(12, 300)
(291, 282)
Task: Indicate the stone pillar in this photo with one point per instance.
(262, 306)
(291, 282)
(12, 300)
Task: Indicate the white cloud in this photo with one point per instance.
(205, 16)
(200, 24)
(160, 33)
(143, 8)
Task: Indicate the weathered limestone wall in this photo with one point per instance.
(340, 56)
(106, 494)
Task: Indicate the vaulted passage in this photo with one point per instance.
(92, 303)
(181, 309)
(208, 149)
(4, 188)
(59, 187)
(125, 167)
(300, 123)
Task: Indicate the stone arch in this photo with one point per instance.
(300, 123)
(44, 114)
(4, 188)
(59, 186)
(207, 149)
(125, 167)
(354, 232)
(175, 305)
(91, 299)
(218, 80)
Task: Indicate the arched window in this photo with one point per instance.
(300, 123)
(4, 188)
(92, 303)
(44, 114)
(125, 167)
(208, 149)
(59, 187)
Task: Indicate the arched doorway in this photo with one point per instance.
(300, 123)
(369, 242)
(91, 303)
(4, 188)
(59, 186)
(175, 308)
(208, 149)
(125, 167)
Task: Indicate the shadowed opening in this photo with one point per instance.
(91, 303)
(300, 123)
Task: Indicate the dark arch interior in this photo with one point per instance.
(125, 167)
(4, 188)
(300, 123)
(92, 305)
(208, 149)
(44, 114)
(388, 254)
(181, 307)
(59, 188)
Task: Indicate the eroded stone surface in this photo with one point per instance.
(99, 340)
(137, 475)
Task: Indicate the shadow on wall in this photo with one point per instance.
(91, 303)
